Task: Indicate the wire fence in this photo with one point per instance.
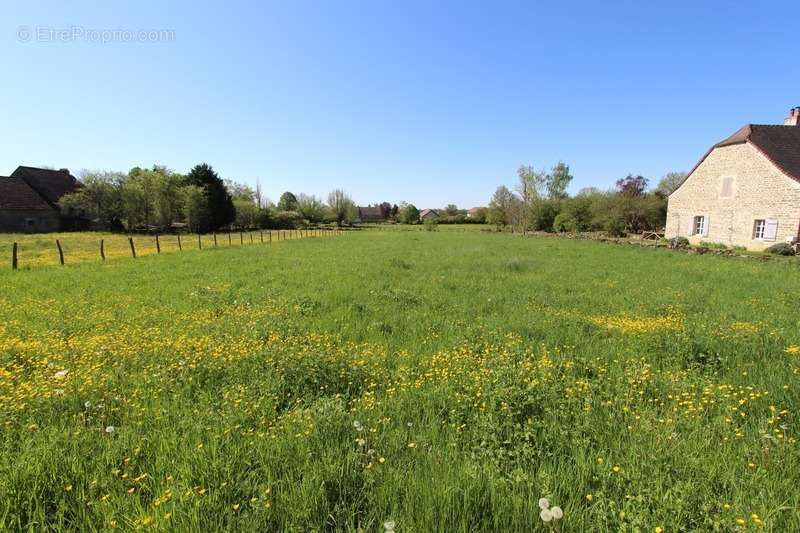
(31, 250)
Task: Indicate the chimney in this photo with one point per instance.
(794, 117)
(66, 170)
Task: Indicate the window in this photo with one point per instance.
(765, 229)
(699, 226)
(758, 229)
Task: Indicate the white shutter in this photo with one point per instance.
(706, 224)
(770, 229)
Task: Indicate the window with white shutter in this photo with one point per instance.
(770, 230)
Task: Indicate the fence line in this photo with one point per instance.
(17, 249)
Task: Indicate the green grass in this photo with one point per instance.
(485, 371)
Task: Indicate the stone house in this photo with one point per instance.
(428, 214)
(745, 191)
(29, 200)
(371, 214)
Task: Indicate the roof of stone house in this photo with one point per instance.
(50, 184)
(779, 144)
(373, 213)
(16, 194)
(427, 211)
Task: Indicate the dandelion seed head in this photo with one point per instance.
(544, 503)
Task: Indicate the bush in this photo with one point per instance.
(679, 243)
(781, 248)
(431, 225)
(714, 245)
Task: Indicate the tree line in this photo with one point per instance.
(540, 203)
(159, 199)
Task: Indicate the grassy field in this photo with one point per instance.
(34, 249)
(442, 381)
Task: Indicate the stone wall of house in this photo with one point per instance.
(759, 190)
(29, 221)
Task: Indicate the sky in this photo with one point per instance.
(432, 103)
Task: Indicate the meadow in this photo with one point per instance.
(401, 381)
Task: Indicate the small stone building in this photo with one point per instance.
(745, 191)
(371, 214)
(428, 214)
(29, 200)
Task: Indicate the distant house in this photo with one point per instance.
(745, 191)
(475, 211)
(29, 200)
(428, 214)
(371, 214)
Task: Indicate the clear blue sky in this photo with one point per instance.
(430, 102)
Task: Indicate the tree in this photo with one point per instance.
(451, 210)
(246, 213)
(500, 207)
(98, 199)
(287, 202)
(195, 207)
(311, 208)
(669, 183)
(386, 210)
(342, 208)
(408, 213)
(530, 187)
(632, 185)
(220, 210)
(558, 181)
(394, 212)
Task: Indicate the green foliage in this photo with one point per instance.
(781, 248)
(287, 202)
(220, 209)
(501, 207)
(669, 183)
(342, 208)
(286, 220)
(408, 213)
(431, 225)
(311, 208)
(679, 243)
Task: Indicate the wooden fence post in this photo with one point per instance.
(14, 257)
(180, 248)
(262, 236)
(158, 245)
(102, 249)
(269, 233)
(133, 248)
(60, 252)
(229, 239)
(241, 238)
(215, 240)
(199, 242)
(251, 237)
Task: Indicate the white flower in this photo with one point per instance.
(557, 512)
(358, 426)
(388, 526)
(361, 442)
(544, 503)
(110, 430)
(546, 515)
(88, 404)
(61, 374)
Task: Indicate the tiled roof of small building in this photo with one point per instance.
(15, 194)
(50, 184)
